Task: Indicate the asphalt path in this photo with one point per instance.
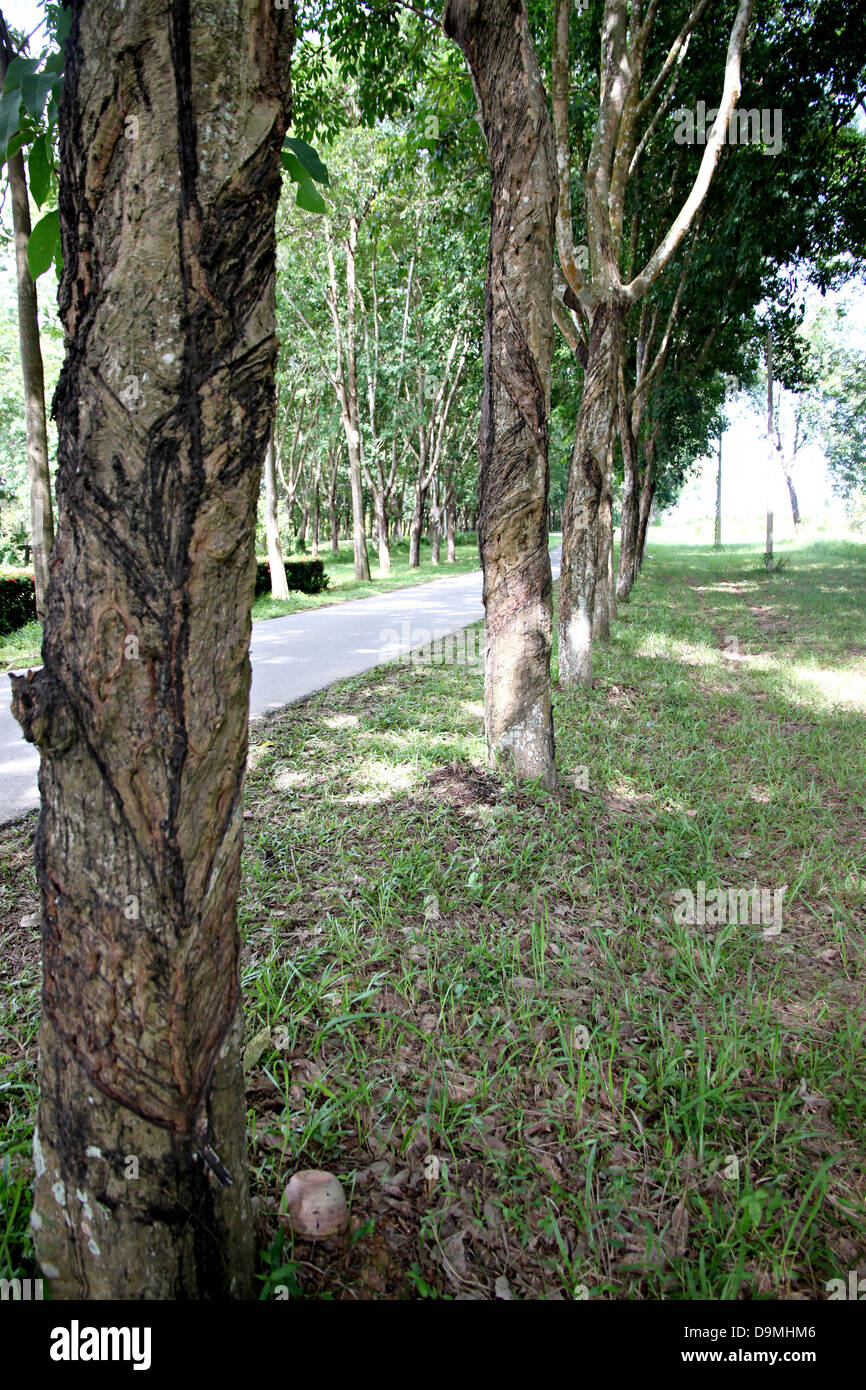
(295, 656)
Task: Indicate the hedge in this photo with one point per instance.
(18, 596)
(17, 603)
(305, 576)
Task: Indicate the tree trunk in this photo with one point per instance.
(279, 585)
(717, 539)
(586, 474)
(768, 554)
(451, 522)
(316, 515)
(518, 346)
(349, 412)
(647, 492)
(795, 506)
(629, 520)
(39, 477)
(435, 524)
(604, 611)
(140, 711)
(382, 527)
(333, 510)
(416, 527)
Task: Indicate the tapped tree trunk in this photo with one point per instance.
(279, 584)
(33, 377)
(451, 523)
(583, 498)
(518, 346)
(140, 710)
(604, 612)
(629, 521)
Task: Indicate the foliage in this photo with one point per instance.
(306, 576)
(17, 603)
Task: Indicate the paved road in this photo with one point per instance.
(294, 656)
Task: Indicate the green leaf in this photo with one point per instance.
(10, 106)
(39, 168)
(43, 244)
(35, 89)
(62, 25)
(309, 198)
(307, 157)
(18, 69)
(293, 167)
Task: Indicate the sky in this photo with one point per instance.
(22, 15)
(746, 480)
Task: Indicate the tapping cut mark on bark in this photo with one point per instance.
(140, 711)
(518, 345)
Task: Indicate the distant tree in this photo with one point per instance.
(26, 92)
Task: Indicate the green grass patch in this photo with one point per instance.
(472, 1000)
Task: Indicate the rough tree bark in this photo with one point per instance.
(32, 373)
(604, 612)
(140, 711)
(518, 346)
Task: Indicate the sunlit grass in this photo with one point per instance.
(482, 1013)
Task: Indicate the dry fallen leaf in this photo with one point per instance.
(677, 1239)
(256, 1047)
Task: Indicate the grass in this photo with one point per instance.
(22, 647)
(473, 1002)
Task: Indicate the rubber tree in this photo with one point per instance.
(518, 347)
(279, 583)
(628, 112)
(32, 371)
(345, 381)
(140, 711)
